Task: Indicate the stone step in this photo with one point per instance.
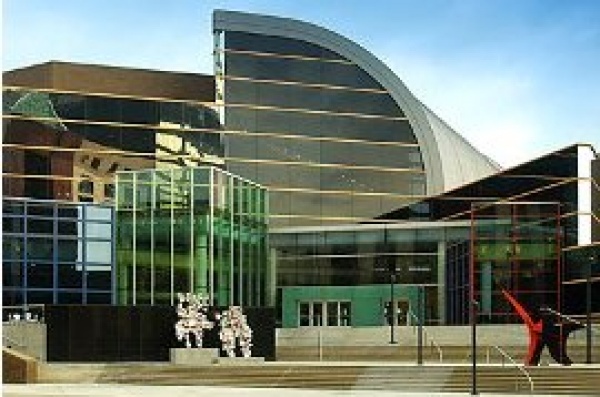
(409, 353)
(554, 380)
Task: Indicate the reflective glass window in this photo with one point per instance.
(10, 207)
(99, 298)
(98, 213)
(304, 314)
(12, 224)
(102, 109)
(12, 274)
(272, 68)
(106, 135)
(69, 275)
(99, 251)
(273, 44)
(98, 277)
(40, 275)
(346, 75)
(13, 247)
(298, 70)
(12, 296)
(139, 111)
(273, 174)
(86, 187)
(366, 206)
(109, 190)
(39, 297)
(69, 250)
(171, 112)
(71, 106)
(72, 298)
(40, 248)
(313, 98)
(67, 228)
(339, 205)
(98, 230)
(69, 211)
(242, 146)
(45, 210)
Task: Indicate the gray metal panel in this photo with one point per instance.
(462, 163)
(433, 158)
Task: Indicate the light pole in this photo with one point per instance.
(421, 309)
(472, 304)
(473, 310)
(391, 268)
(588, 310)
(392, 309)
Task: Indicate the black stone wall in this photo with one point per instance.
(104, 333)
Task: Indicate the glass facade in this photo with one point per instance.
(327, 140)
(582, 265)
(349, 259)
(200, 230)
(512, 246)
(551, 178)
(556, 177)
(332, 147)
(68, 146)
(321, 259)
(56, 252)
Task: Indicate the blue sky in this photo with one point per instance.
(517, 78)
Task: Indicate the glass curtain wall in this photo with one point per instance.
(68, 146)
(582, 266)
(515, 247)
(56, 252)
(200, 230)
(327, 140)
(362, 257)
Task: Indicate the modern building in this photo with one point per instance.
(57, 252)
(330, 130)
(370, 192)
(200, 230)
(534, 231)
(68, 128)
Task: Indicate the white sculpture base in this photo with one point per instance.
(193, 356)
(240, 361)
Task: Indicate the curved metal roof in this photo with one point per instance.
(449, 160)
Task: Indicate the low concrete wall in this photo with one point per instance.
(487, 335)
(26, 337)
(373, 344)
(18, 368)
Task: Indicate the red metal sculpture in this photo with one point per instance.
(544, 330)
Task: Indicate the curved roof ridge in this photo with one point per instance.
(461, 137)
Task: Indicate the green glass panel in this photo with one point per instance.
(174, 249)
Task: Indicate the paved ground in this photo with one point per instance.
(94, 390)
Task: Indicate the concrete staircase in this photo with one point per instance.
(431, 354)
(575, 380)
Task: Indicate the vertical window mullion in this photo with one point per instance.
(55, 254)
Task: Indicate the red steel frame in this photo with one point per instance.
(473, 310)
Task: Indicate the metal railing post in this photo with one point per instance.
(420, 329)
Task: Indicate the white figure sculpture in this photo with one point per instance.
(193, 320)
(233, 327)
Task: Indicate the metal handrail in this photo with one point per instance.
(436, 345)
(427, 335)
(595, 327)
(520, 367)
